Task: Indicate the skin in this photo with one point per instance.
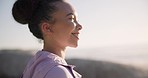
(63, 32)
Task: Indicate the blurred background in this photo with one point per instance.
(114, 37)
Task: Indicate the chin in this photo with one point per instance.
(74, 46)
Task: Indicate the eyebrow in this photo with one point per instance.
(69, 14)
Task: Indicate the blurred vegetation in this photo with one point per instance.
(104, 69)
(13, 62)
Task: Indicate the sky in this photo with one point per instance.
(105, 23)
(113, 30)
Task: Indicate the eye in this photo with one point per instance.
(71, 18)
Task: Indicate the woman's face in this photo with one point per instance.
(66, 28)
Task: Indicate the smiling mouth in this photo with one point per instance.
(75, 35)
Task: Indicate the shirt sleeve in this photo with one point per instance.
(59, 72)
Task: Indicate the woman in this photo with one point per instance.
(55, 22)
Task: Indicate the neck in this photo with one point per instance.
(55, 49)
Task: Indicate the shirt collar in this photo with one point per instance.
(55, 57)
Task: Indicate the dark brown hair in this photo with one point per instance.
(33, 12)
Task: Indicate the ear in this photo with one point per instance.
(46, 27)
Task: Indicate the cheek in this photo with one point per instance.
(64, 30)
(69, 27)
(73, 24)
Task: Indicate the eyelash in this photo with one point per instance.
(71, 18)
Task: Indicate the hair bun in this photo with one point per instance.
(22, 11)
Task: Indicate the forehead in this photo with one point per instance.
(65, 8)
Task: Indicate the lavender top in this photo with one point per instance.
(48, 65)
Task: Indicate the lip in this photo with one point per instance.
(76, 35)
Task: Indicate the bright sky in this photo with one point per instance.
(105, 23)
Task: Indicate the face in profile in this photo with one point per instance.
(65, 30)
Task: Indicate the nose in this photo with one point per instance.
(79, 26)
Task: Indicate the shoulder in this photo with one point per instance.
(59, 72)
